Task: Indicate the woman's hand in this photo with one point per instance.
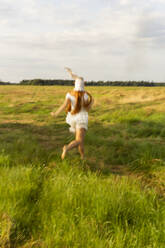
(61, 108)
(74, 76)
(68, 69)
(53, 114)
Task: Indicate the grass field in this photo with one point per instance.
(115, 198)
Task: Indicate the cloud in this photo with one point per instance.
(125, 2)
(101, 39)
(152, 30)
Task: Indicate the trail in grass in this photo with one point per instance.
(115, 198)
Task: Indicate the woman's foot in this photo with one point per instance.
(82, 156)
(63, 152)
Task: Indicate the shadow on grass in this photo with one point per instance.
(108, 148)
(28, 143)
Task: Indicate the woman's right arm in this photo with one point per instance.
(88, 96)
(90, 105)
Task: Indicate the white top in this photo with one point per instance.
(73, 100)
(78, 118)
(79, 84)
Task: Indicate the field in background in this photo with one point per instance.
(115, 198)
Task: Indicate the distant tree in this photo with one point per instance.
(4, 83)
(90, 83)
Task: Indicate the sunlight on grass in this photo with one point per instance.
(115, 198)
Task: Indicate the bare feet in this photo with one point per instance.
(63, 152)
(82, 157)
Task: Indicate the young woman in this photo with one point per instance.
(77, 104)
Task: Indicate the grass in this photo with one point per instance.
(115, 198)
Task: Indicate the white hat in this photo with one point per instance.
(79, 84)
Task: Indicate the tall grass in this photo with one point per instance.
(113, 199)
(70, 206)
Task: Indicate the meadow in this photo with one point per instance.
(115, 198)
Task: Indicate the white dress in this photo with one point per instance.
(79, 120)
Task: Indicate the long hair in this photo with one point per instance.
(80, 102)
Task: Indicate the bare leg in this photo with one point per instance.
(63, 153)
(71, 145)
(80, 134)
(79, 141)
(81, 151)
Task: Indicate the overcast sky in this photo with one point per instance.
(98, 39)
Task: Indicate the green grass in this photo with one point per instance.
(114, 199)
(70, 206)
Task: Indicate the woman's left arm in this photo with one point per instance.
(61, 108)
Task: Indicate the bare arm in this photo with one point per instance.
(61, 108)
(74, 76)
(90, 105)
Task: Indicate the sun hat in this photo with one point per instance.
(79, 84)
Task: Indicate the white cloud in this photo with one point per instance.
(125, 2)
(100, 40)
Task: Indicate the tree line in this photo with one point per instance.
(4, 83)
(88, 83)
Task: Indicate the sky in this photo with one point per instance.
(97, 39)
